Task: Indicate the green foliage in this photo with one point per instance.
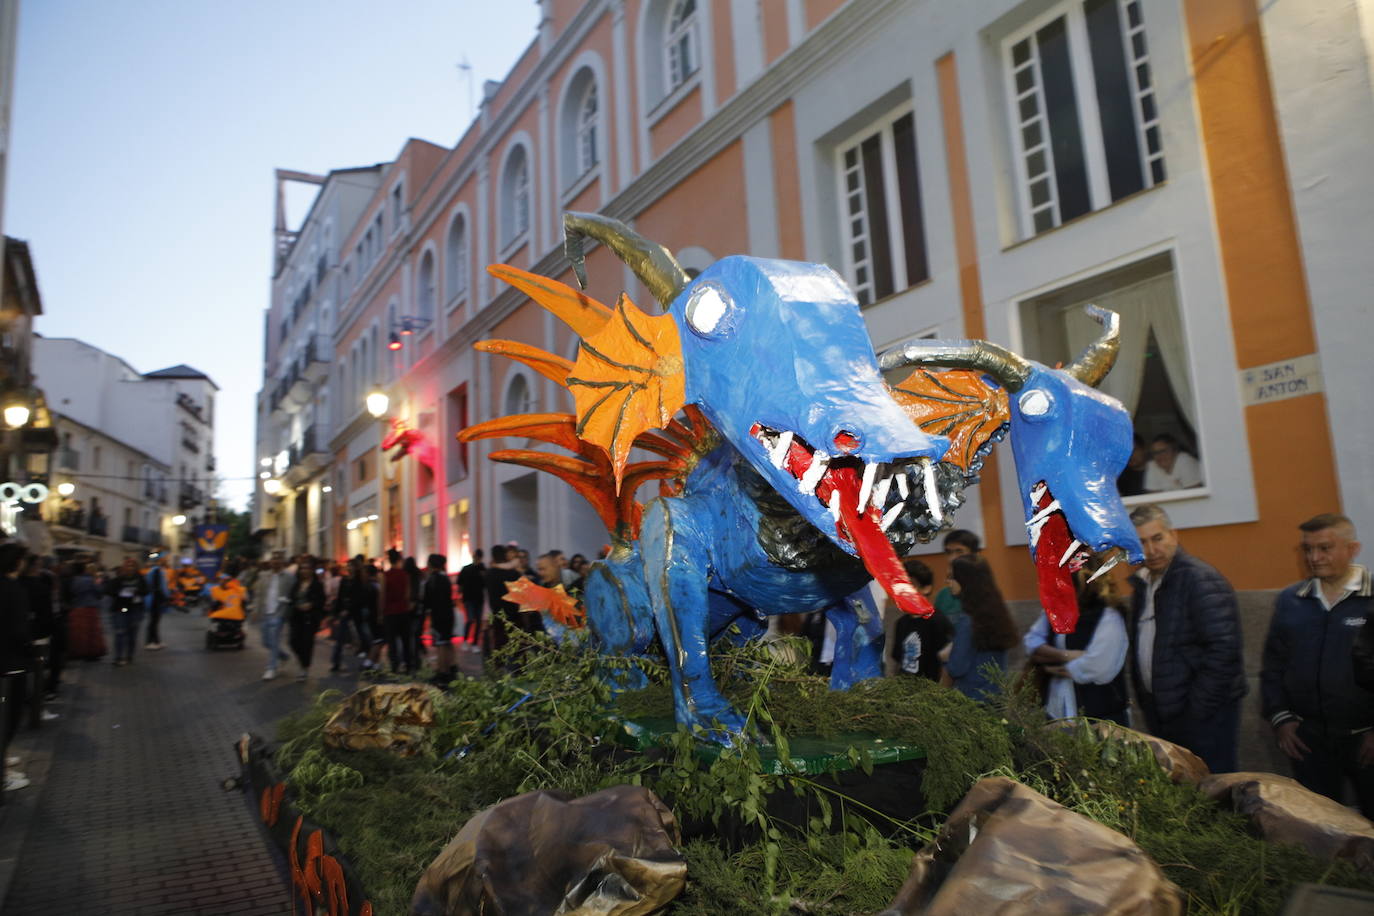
(544, 725)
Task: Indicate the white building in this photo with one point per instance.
(121, 503)
(294, 426)
(167, 416)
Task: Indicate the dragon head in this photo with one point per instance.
(778, 358)
(1070, 442)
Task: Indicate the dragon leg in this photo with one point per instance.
(858, 639)
(676, 554)
(616, 601)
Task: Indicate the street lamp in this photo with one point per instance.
(16, 415)
(66, 489)
(377, 403)
(271, 486)
(178, 520)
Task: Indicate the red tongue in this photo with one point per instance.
(1057, 594)
(863, 531)
(874, 548)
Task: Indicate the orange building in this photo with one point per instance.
(972, 170)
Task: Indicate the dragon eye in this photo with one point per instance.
(707, 310)
(1036, 403)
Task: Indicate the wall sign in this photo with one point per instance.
(1287, 378)
(11, 495)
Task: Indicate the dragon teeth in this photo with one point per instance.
(1040, 517)
(932, 490)
(835, 504)
(891, 516)
(880, 492)
(903, 489)
(778, 454)
(814, 472)
(866, 488)
(1105, 566)
(1070, 552)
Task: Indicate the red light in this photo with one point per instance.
(406, 330)
(394, 345)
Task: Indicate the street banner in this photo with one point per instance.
(210, 543)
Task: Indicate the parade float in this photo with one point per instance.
(652, 754)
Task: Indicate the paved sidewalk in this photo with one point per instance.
(126, 814)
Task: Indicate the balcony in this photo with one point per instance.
(306, 457)
(150, 537)
(98, 525)
(315, 363)
(72, 517)
(68, 459)
(189, 497)
(132, 534)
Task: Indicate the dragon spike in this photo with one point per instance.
(1097, 359)
(582, 313)
(554, 368)
(653, 264)
(1010, 369)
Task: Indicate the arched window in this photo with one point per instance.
(456, 258)
(425, 292)
(515, 196)
(587, 118)
(680, 46)
(518, 399)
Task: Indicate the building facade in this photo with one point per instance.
(971, 170)
(296, 405)
(137, 447)
(122, 501)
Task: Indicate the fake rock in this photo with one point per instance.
(394, 717)
(1282, 811)
(610, 853)
(1008, 849)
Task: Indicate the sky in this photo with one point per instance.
(144, 136)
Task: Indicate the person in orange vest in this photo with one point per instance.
(227, 597)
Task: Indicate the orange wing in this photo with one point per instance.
(956, 403)
(558, 603)
(627, 380)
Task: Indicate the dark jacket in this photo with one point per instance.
(1308, 670)
(126, 592)
(307, 601)
(1197, 664)
(472, 583)
(1364, 655)
(437, 593)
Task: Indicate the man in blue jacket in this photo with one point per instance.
(1185, 653)
(1322, 718)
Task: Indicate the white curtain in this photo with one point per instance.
(1149, 305)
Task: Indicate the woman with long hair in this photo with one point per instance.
(85, 639)
(983, 634)
(1086, 668)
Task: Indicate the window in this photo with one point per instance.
(456, 258)
(680, 47)
(880, 195)
(587, 155)
(515, 187)
(518, 398)
(396, 206)
(425, 291)
(1084, 118)
(456, 452)
(1151, 378)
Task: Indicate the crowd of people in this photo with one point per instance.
(1174, 643)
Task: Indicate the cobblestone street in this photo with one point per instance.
(129, 816)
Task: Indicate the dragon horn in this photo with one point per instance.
(653, 264)
(1096, 360)
(1008, 368)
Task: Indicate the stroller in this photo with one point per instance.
(224, 633)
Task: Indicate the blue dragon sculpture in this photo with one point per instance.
(790, 472)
